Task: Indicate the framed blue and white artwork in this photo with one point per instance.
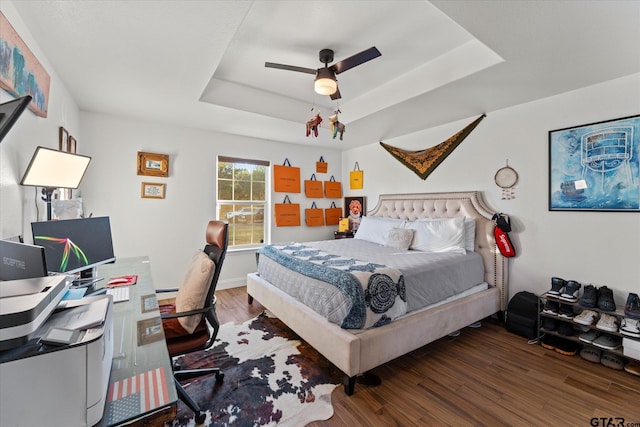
(595, 167)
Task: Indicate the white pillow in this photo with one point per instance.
(399, 238)
(469, 231)
(375, 229)
(445, 235)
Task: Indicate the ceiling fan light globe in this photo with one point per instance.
(325, 86)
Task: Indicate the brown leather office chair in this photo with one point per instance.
(190, 324)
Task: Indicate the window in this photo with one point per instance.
(242, 199)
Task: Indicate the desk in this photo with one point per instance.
(139, 351)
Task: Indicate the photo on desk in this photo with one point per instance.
(148, 303)
(149, 330)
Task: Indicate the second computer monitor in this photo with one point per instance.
(75, 245)
(21, 261)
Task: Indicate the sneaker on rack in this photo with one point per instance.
(632, 307)
(608, 341)
(571, 288)
(589, 336)
(630, 327)
(566, 347)
(605, 299)
(566, 329)
(565, 311)
(549, 341)
(551, 307)
(549, 324)
(591, 354)
(612, 361)
(607, 323)
(557, 284)
(589, 296)
(587, 317)
(633, 367)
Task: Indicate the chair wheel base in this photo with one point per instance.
(200, 417)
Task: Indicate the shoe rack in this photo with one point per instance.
(580, 328)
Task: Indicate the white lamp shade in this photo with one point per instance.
(325, 86)
(325, 83)
(55, 169)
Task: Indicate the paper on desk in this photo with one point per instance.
(87, 316)
(75, 293)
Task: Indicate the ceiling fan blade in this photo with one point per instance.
(355, 60)
(291, 68)
(336, 95)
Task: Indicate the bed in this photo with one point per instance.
(355, 352)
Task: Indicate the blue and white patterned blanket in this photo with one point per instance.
(376, 292)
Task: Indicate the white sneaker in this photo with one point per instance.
(607, 323)
(587, 317)
(630, 327)
(608, 342)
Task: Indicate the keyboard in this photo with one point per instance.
(119, 294)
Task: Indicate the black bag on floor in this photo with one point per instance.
(522, 315)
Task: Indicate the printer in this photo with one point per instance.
(25, 304)
(55, 382)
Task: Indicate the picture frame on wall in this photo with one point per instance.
(153, 190)
(153, 164)
(354, 209)
(595, 167)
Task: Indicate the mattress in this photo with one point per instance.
(428, 277)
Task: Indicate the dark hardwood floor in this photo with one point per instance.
(485, 376)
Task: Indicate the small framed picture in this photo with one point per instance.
(153, 190)
(148, 303)
(153, 164)
(150, 330)
(354, 209)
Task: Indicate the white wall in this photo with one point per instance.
(170, 230)
(598, 247)
(17, 203)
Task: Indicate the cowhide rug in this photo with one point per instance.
(271, 377)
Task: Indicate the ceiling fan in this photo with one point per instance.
(326, 83)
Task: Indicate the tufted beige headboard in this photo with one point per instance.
(449, 205)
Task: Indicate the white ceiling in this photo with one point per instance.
(201, 63)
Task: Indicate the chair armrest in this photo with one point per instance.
(185, 313)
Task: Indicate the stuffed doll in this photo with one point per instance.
(336, 126)
(313, 124)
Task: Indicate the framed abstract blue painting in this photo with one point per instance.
(595, 167)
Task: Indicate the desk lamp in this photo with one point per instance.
(52, 169)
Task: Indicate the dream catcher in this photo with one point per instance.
(507, 178)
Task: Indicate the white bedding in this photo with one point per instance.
(429, 277)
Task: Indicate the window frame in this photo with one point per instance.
(241, 204)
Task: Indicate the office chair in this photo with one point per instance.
(191, 324)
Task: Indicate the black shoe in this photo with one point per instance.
(589, 296)
(632, 307)
(605, 299)
(570, 290)
(566, 329)
(551, 307)
(550, 324)
(566, 347)
(549, 342)
(566, 311)
(556, 287)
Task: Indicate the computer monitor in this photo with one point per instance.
(21, 261)
(75, 245)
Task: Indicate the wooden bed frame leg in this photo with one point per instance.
(349, 384)
(249, 299)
